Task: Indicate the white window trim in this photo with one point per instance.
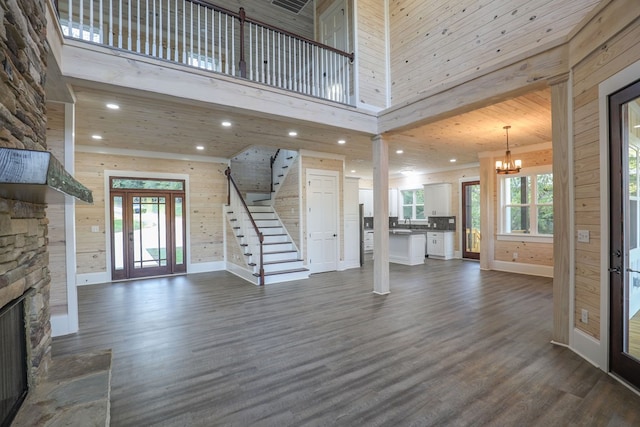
(516, 237)
(413, 206)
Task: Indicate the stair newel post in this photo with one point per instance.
(261, 239)
(227, 173)
(243, 64)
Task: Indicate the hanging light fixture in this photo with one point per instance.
(508, 166)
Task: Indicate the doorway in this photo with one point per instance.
(148, 224)
(624, 262)
(334, 32)
(322, 221)
(471, 220)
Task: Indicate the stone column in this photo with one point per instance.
(380, 215)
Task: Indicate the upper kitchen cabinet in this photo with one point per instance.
(366, 198)
(393, 202)
(437, 199)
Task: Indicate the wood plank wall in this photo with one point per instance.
(597, 64)
(208, 191)
(371, 54)
(450, 41)
(309, 162)
(528, 252)
(56, 215)
(287, 203)
(251, 170)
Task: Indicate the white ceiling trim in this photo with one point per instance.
(150, 154)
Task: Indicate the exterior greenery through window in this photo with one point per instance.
(527, 203)
(412, 204)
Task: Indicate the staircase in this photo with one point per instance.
(281, 259)
(280, 164)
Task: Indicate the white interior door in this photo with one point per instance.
(333, 26)
(322, 221)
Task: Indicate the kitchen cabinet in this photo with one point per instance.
(406, 248)
(440, 244)
(437, 199)
(365, 195)
(393, 202)
(368, 240)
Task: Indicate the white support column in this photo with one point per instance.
(562, 198)
(380, 215)
(70, 219)
(487, 212)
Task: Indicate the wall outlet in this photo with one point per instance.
(95, 228)
(584, 316)
(515, 255)
(583, 236)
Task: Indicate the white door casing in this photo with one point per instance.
(322, 220)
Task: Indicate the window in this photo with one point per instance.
(527, 203)
(412, 204)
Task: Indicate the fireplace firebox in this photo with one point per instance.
(13, 360)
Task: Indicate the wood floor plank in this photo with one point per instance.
(451, 345)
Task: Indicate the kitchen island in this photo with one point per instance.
(406, 246)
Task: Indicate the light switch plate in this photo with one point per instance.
(95, 228)
(583, 236)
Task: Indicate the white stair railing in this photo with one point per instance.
(199, 34)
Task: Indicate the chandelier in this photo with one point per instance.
(508, 166)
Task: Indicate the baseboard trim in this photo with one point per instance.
(346, 265)
(206, 267)
(521, 268)
(92, 278)
(242, 273)
(60, 325)
(589, 348)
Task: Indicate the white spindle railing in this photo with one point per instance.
(201, 35)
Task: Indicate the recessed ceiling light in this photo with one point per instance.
(452, 160)
(353, 171)
(342, 141)
(407, 173)
(293, 133)
(226, 124)
(199, 147)
(399, 151)
(96, 136)
(112, 106)
(636, 127)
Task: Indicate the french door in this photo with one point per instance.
(147, 228)
(624, 261)
(471, 219)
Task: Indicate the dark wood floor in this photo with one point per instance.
(450, 346)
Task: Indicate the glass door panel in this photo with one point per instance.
(624, 262)
(149, 234)
(148, 227)
(471, 219)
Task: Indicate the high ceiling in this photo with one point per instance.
(177, 127)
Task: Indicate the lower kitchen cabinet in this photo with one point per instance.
(440, 244)
(368, 240)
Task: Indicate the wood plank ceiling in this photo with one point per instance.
(178, 127)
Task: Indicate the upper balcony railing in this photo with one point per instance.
(199, 34)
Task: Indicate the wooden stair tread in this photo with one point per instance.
(279, 252)
(281, 262)
(275, 273)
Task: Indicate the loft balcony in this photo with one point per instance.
(199, 34)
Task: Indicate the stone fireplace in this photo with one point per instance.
(24, 275)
